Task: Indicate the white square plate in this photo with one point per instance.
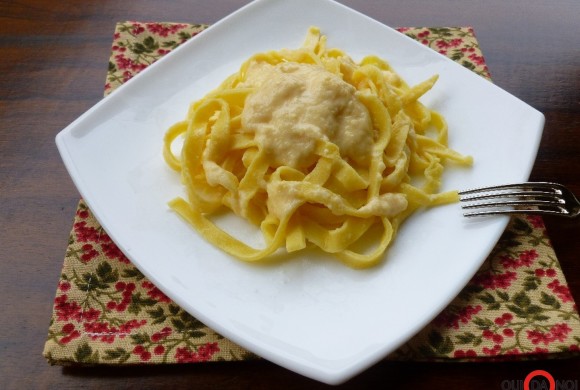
(309, 314)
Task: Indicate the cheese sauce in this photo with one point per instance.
(295, 105)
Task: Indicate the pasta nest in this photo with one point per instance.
(333, 201)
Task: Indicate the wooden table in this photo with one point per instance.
(52, 69)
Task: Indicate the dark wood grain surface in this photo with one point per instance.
(53, 62)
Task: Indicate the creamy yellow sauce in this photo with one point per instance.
(296, 105)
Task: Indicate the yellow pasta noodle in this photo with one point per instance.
(313, 148)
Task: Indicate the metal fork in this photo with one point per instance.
(523, 198)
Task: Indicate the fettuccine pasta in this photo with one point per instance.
(313, 148)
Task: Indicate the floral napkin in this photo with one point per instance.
(517, 306)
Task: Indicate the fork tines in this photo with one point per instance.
(523, 198)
